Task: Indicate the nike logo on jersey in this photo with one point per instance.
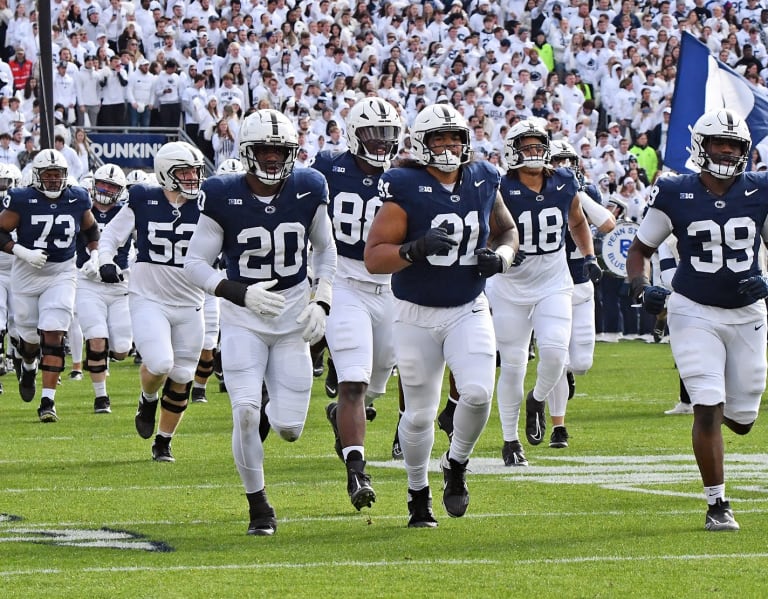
(73, 201)
(758, 327)
(479, 183)
(476, 310)
(301, 195)
(560, 187)
(750, 192)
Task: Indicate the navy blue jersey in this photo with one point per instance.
(353, 201)
(162, 230)
(46, 224)
(541, 216)
(718, 237)
(575, 257)
(449, 278)
(265, 241)
(102, 218)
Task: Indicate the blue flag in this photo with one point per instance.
(704, 83)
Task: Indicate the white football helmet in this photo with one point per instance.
(50, 160)
(563, 154)
(230, 166)
(271, 129)
(134, 177)
(530, 155)
(177, 155)
(373, 131)
(431, 119)
(10, 176)
(108, 184)
(721, 124)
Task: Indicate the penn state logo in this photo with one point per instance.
(539, 198)
(455, 198)
(53, 206)
(367, 181)
(102, 215)
(720, 204)
(270, 209)
(6, 201)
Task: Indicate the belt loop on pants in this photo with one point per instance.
(368, 286)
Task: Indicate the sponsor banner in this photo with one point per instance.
(129, 150)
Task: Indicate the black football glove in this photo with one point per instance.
(592, 269)
(489, 262)
(435, 240)
(519, 258)
(654, 299)
(636, 287)
(755, 287)
(110, 273)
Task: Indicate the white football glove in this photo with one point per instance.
(35, 258)
(264, 303)
(91, 268)
(314, 317)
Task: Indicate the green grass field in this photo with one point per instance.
(620, 513)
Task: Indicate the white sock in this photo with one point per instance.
(49, 394)
(100, 389)
(149, 397)
(714, 493)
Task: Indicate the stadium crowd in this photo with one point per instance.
(600, 73)
(316, 102)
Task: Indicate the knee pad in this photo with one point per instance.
(96, 361)
(291, 433)
(476, 395)
(371, 396)
(204, 368)
(57, 351)
(25, 350)
(181, 397)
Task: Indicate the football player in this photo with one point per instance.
(439, 214)
(165, 307)
(581, 348)
(715, 314)
(537, 294)
(47, 217)
(263, 221)
(102, 308)
(10, 176)
(206, 363)
(359, 331)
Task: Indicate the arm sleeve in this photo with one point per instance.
(204, 247)
(116, 233)
(655, 228)
(597, 214)
(323, 245)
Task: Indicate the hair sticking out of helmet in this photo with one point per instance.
(527, 145)
(373, 131)
(269, 145)
(108, 184)
(179, 167)
(720, 144)
(49, 173)
(440, 119)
